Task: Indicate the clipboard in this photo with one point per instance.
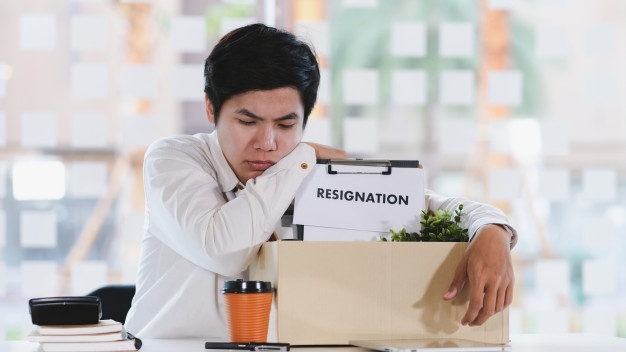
(359, 199)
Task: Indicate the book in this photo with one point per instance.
(130, 344)
(35, 336)
(103, 326)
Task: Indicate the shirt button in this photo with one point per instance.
(304, 166)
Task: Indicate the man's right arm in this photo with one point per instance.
(326, 152)
(189, 212)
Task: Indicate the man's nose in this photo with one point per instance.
(266, 139)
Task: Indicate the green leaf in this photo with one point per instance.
(440, 226)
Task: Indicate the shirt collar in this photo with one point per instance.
(225, 175)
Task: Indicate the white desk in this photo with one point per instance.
(519, 343)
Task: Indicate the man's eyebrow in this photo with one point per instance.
(250, 114)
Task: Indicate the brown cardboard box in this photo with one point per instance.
(334, 292)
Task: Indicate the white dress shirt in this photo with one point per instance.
(200, 230)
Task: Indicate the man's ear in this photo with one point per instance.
(210, 112)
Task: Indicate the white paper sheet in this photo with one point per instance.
(503, 4)
(599, 234)
(38, 229)
(318, 130)
(90, 130)
(88, 33)
(552, 321)
(505, 87)
(324, 89)
(600, 321)
(138, 81)
(599, 184)
(457, 88)
(89, 81)
(360, 136)
(360, 87)
(188, 34)
(3, 284)
(599, 277)
(88, 276)
(551, 42)
(38, 32)
(499, 136)
(457, 40)
(3, 229)
(554, 184)
(4, 167)
(366, 202)
(316, 33)
(555, 137)
(409, 87)
(360, 3)
(188, 82)
(38, 129)
(317, 233)
(88, 179)
(3, 86)
(408, 39)
(600, 40)
(229, 24)
(457, 135)
(600, 90)
(552, 277)
(138, 131)
(504, 184)
(3, 129)
(39, 278)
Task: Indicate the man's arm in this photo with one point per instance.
(476, 215)
(486, 266)
(326, 152)
(190, 213)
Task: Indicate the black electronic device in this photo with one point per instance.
(68, 310)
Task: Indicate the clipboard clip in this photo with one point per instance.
(359, 162)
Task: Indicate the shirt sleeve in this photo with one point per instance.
(476, 216)
(189, 212)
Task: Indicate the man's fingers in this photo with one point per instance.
(458, 281)
(509, 295)
(472, 312)
(476, 302)
(488, 307)
(495, 300)
(501, 299)
(505, 296)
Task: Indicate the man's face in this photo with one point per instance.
(258, 128)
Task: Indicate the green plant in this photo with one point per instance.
(439, 226)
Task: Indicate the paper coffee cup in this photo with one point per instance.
(248, 305)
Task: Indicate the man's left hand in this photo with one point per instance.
(486, 266)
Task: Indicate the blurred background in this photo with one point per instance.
(517, 103)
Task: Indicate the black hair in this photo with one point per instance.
(258, 57)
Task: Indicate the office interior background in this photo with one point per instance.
(516, 103)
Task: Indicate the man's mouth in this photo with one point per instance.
(260, 165)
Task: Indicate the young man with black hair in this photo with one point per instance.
(212, 199)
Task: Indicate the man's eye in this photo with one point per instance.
(285, 126)
(247, 123)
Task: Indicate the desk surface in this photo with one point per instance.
(519, 343)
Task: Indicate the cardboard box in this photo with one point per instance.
(334, 292)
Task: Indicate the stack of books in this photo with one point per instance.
(106, 335)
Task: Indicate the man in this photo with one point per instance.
(213, 199)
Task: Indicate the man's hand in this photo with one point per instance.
(486, 266)
(326, 152)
